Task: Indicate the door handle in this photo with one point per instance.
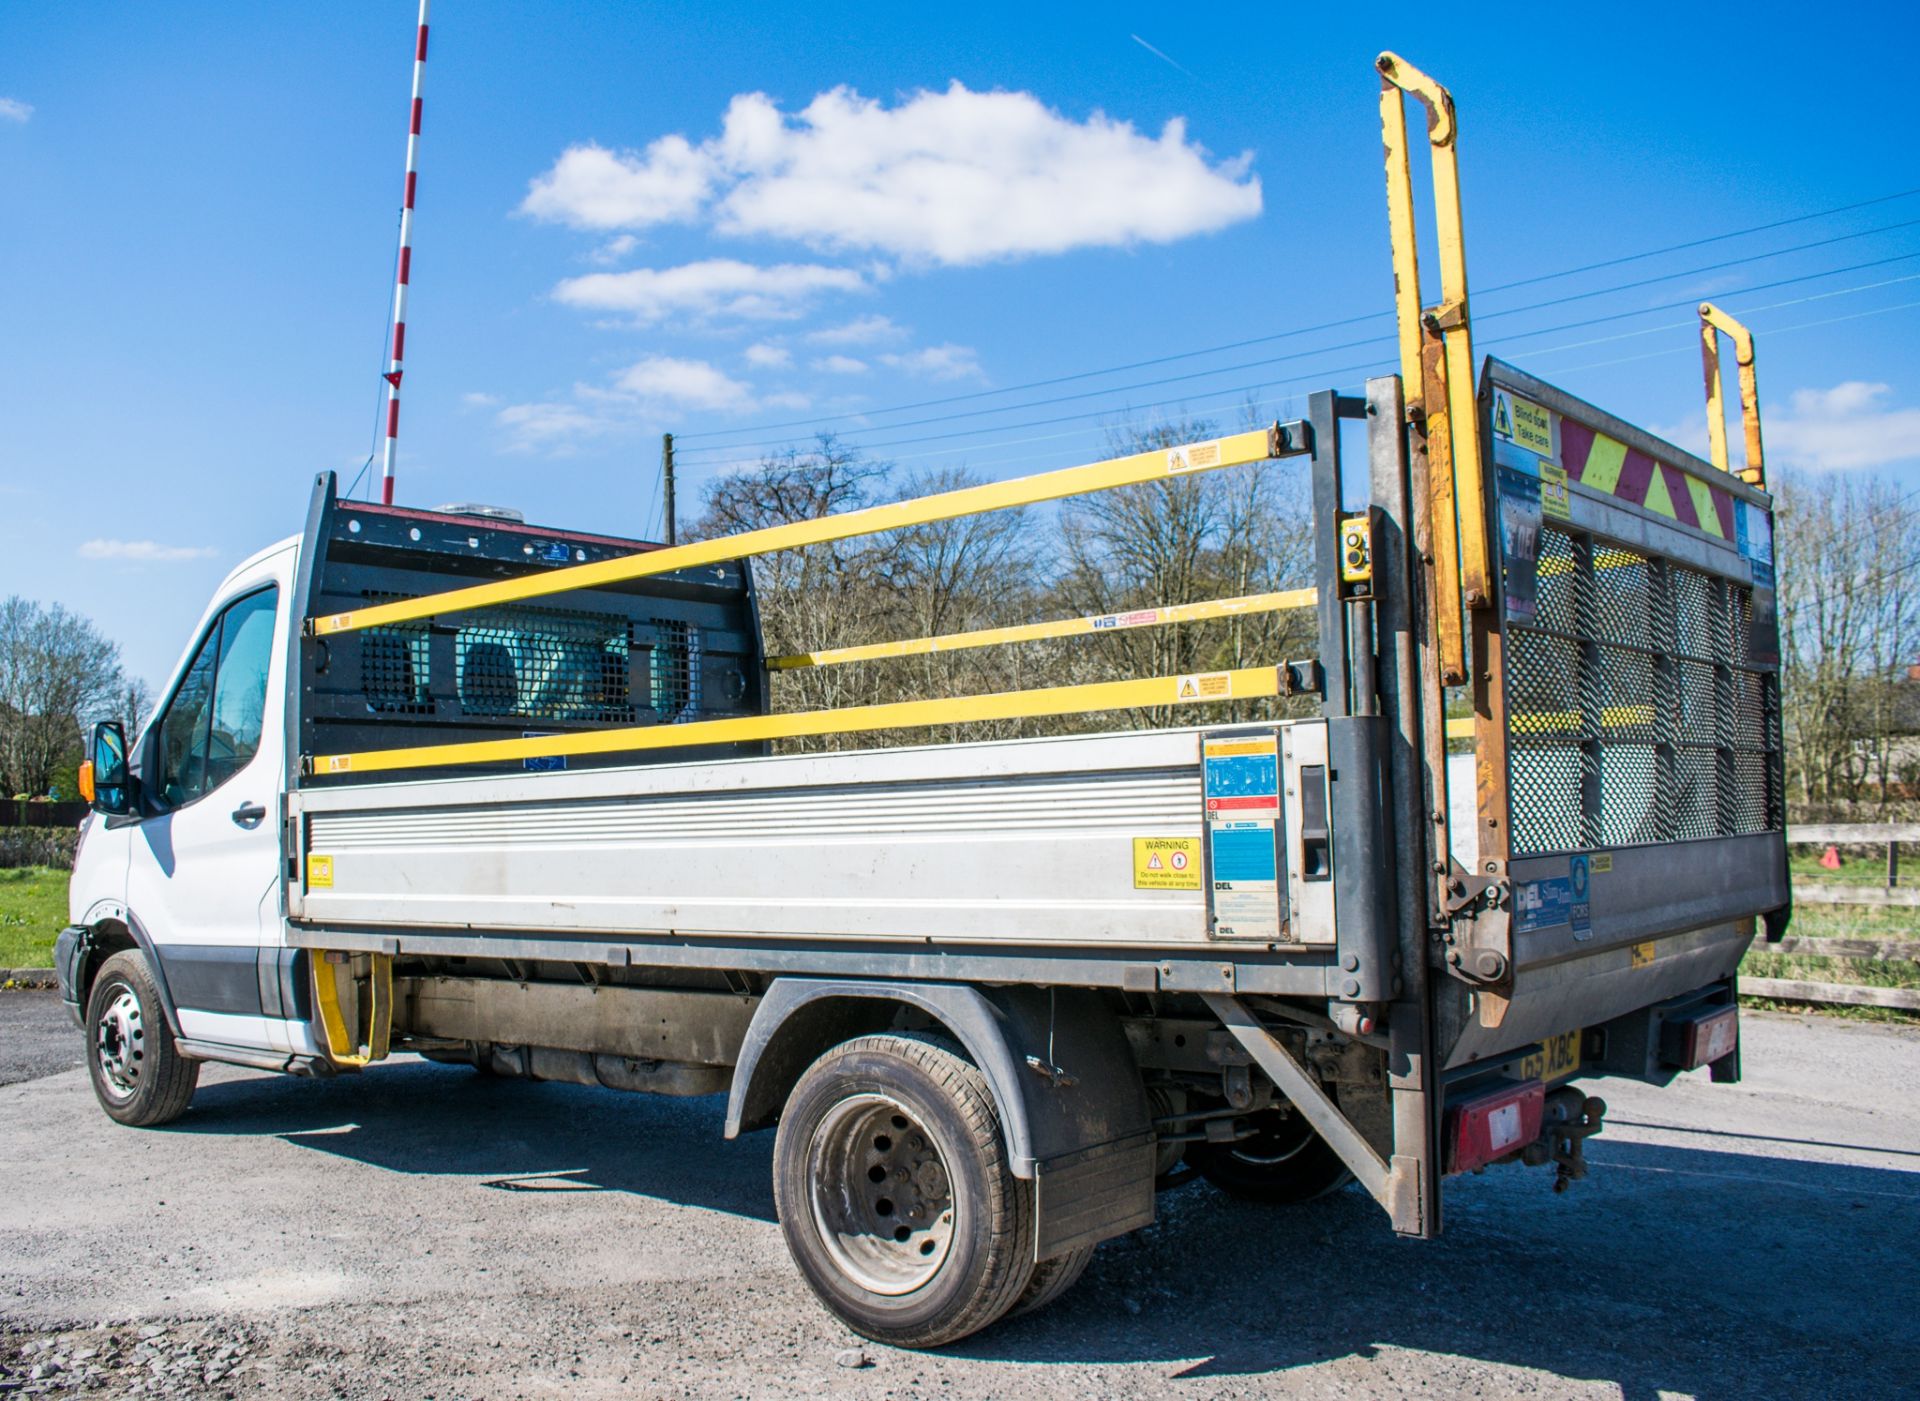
(249, 815)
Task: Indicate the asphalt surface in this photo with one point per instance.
(420, 1231)
(37, 1037)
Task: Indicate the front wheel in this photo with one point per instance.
(1284, 1161)
(892, 1185)
(139, 1075)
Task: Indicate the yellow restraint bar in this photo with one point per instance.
(1235, 450)
(1063, 627)
(1250, 683)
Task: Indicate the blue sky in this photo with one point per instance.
(636, 219)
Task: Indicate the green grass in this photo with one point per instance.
(1843, 922)
(33, 910)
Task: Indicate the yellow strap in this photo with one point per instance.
(342, 1047)
(1064, 627)
(1232, 451)
(1250, 683)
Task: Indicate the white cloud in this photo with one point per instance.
(764, 356)
(1830, 430)
(715, 288)
(862, 330)
(947, 361)
(1842, 428)
(663, 382)
(838, 365)
(474, 399)
(12, 109)
(614, 249)
(590, 187)
(954, 177)
(144, 551)
(648, 394)
(550, 427)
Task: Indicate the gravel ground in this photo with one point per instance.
(37, 1037)
(421, 1232)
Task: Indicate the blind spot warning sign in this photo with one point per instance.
(1166, 863)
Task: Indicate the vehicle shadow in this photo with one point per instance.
(1670, 1270)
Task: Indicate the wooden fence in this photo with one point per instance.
(1892, 894)
(39, 812)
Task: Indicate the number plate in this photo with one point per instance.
(1557, 1058)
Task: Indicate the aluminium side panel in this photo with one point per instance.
(1026, 840)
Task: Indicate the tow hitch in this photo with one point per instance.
(1569, 1120)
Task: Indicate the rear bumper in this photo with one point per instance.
(69, 964)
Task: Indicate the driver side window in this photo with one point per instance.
(212, 726)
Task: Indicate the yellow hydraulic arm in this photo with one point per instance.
(1712, 322)
(1436, 354)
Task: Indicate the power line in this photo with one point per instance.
(728, 449)
(1322, 376)
(1298, 331)
(1277, 400)
(872, 445)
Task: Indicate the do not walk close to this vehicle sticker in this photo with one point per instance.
(1166, 863)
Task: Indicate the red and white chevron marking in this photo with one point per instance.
(405, 267)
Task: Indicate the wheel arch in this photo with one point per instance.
(1055, 1059)
(110, 936)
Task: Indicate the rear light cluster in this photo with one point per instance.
(1485, 1127)
(1693, 1041)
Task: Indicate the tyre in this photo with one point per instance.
(1051, 1279)
(891, 1181)
(139, 1075)
(1285, 1161)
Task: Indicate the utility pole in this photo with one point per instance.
(666, 485)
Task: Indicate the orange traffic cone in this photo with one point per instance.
(1830, 858)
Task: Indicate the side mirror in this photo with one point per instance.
(111, 783)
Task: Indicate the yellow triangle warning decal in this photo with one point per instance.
(1502, 416)
(1189, 688)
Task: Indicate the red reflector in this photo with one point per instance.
(1488, 1126)
(1691, 1042)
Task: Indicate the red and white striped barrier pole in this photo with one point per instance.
(405, 267)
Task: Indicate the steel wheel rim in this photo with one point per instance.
(882, 1196)
(119, 1044)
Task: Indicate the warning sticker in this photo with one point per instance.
(1193, 456)
(1553, 490)
(1524, 424)
(1641, 954)
(1166, 863)
(1241, 776)
(1206, 685)
(319, 872)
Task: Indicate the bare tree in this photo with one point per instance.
(57, 674)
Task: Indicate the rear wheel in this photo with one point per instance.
(892, 1185)
(1284, 1161)
(1051, 1279)
(139, 1075)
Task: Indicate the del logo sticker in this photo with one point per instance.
(1166, 863)
(319, 872)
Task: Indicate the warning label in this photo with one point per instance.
(1242, 776)
(1193, 456)
(1166, 863)
(319, 872)
(1207, 685)
(1524, 424)
(1553, 490)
